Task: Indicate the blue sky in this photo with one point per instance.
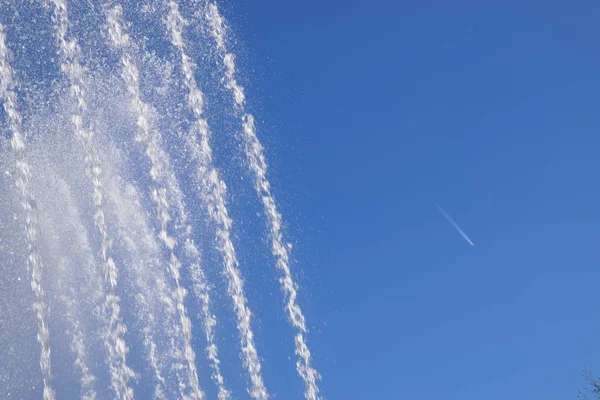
(370, 113)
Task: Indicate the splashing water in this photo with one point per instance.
(114, 206)
(258, 166)
(115, 332)
(159, 174)
(213, 191)
(34, 263)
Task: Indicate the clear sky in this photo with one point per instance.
(370, 113)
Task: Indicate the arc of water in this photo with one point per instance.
(117, 349)
(209, 321)
(159, 166)
(34, 262)
(258, 167)
(213, 194)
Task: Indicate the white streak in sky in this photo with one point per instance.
(454, 224)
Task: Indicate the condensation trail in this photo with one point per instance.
(34, 263)
(117, 349)
(213, 194)
(454, 224)
(159, 174)
(258, 166)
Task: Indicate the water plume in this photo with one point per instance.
(161, 178)
(114, 341)
(213, 193)
(114, 209)
(258, 166)
(34, 264)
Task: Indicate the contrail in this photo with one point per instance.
(454, 224)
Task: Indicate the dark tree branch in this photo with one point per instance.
(593, 390)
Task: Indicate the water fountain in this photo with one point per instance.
(113, 195)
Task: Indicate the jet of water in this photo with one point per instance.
(160, 164)
(213, 194)
(258, 166)
(34, 263)
(111, 223)
(78, 348)
(158, 172)
(115, 343)
(79, 244)
(149, 283)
